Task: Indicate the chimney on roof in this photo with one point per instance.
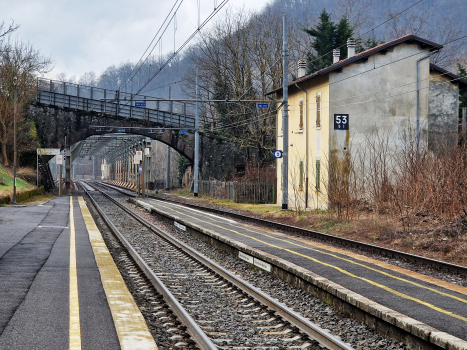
(301, 68)
(336, 54)
(350, 47)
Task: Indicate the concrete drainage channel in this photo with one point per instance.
(229, 315)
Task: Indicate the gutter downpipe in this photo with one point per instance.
(306, 145)
(418, 96)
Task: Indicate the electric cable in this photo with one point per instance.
(154, 38)
(201, 26)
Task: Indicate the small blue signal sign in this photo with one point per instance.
(140, 104)
(140, 169)
(277, 153)
(121, 130)
(262, 105)
(183, 132)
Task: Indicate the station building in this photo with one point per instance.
(390, 88)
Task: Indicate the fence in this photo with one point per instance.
(95, 99)
(239, 192)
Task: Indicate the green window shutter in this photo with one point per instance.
(318, 166)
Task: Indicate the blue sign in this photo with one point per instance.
(140, 170)
(140, 104)
(121, 130)
(277, 154)
(183, 132)
(114, 137)
(262, 105)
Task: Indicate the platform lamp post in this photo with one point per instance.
(14, 138)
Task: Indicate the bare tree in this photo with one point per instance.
(414, 22)
(19, 65)
(356, 12)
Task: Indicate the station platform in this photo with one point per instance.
(59, 286)
(429, 308)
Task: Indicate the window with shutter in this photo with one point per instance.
(318, 110)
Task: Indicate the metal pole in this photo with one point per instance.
(60, 182)
(167, 178)
(14, 143)
(168, 147)
(196, 169)
(37, 171)
(285, 124)
(143, 185)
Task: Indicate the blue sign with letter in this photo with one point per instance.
(121, 130)
(140, 170)
(262, 105)
(277, 154)
(140, 104)
(183, 132)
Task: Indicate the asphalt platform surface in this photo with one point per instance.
(35, 280)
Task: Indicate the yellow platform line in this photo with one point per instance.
(75, 326)
(132, 331)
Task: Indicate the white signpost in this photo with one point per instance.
(59, 159)
(48, 151)
(44, 152)
(138, 156)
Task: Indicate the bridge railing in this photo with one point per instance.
(92, 99)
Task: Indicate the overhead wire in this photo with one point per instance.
(359, 37)
(154, 38)
(200, 26)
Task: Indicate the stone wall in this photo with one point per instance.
(218, 157)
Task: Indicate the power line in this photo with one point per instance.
(165, 20)
(213, 13)
(342, 44)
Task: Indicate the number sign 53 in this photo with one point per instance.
(341, 122)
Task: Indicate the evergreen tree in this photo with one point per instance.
(328, 36)
(343, 32)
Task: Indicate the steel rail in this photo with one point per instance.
(309, 328)
(345, 242)
(201, 339)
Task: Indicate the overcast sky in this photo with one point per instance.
(90, 35)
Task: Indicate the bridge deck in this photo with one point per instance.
(66, 95)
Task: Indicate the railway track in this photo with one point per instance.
(216, 308)
(325, 238)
